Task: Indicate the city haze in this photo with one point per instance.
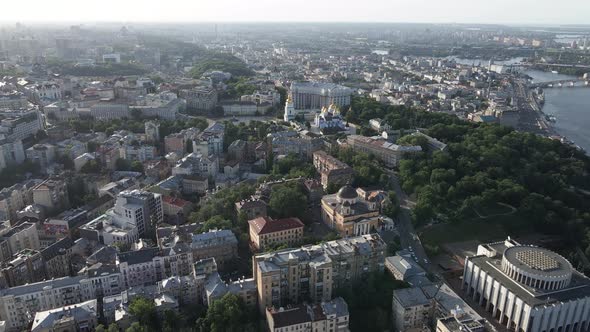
(451, 11)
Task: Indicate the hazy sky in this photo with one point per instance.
(445, 11)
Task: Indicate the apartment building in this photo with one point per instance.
(52, 195)
(110, 228)
(148, 266)
(16, 238)
(411, 309)
(11, 153)
(215, 288)
(19, 124)
(13, 99)
(333, 172)
(15, 198)
(388, 153)
(163, 105)
(212, 137)
(197, 164)
(57, 258)
(222, 245)
(81, 317)
(199, 98)
(291, 142)
(251, 208)
(26, 266)
(266, 232)
(330, 316)
(141, 208)
(176, 142)
(141, 153)
(43, 154)
(17, 303)
(185, 289)
(311, 272)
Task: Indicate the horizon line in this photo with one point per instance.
(140, 22)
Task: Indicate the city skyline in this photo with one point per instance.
(569, 12)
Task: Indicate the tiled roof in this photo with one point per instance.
(175, 201)
(265, 225)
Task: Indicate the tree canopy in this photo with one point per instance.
(144, 311)
(229, 314)
(222, 62)
(287, 201)
(490, 172)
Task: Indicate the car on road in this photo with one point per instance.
(426, 261)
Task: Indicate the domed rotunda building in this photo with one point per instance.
(528, 288)
(352, 212)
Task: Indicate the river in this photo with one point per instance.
(571, 107)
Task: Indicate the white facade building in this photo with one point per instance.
(109, 109)
(315, 95)
(148, 266)
(20, 124)
(110, 229)
(528, 288)
(141, 208)
(140, 153)
(197, 164)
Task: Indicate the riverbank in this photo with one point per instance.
(570, 108)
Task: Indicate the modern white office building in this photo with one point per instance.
(142, 208)
(528, 288)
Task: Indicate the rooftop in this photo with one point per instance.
(179, 202)
(266, 225)
(139, 256)
(290, 316)
(411, 297)
(579, 286)
(45, 320)
(213, 238)
(537, 260)
(321, 253)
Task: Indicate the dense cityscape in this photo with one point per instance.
(294, 177)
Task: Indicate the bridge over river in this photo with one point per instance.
(570, 83)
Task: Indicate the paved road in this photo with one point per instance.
(531, 119)
(408, 237)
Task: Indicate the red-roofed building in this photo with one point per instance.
(264, 232)
(172, 206)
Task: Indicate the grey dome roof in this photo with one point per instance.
(347, 192)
